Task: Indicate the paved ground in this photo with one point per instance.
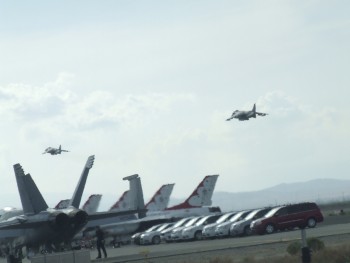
(332, 232)
(259, 246)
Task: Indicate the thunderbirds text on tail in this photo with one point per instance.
(246, 115)
(54, 151)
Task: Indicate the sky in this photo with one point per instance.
(146, 86)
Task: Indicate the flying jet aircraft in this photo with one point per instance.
(54, 151)
(246, 115)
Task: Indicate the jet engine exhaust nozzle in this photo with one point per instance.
(79, 219)
(60, 221)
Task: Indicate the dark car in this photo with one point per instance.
(288, 217)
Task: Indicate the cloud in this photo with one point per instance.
(55, 107)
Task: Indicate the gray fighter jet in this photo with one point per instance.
(54, 151)
(39, 225)
(245, 115)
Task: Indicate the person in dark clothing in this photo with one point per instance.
(100, 242)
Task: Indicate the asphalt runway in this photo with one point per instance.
(185, 250)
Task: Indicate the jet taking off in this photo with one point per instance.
(246, 115)
(54, 151)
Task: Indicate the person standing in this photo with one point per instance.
(100, 242)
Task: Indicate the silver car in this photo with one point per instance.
(195, 232)
(153, 237)
(176, 233)
(223, 229)
(166, 234)
(209, 230)
(135, 238)
(242, 227)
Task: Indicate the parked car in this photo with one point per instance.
(242, 227)
(209, 230)
(195, 232)
(223, 229)
(153, 237)
(288, 217)
(166, 233)
(176, 233)
(135, 238)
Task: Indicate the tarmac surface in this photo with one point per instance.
(201, 251)
(238, 248)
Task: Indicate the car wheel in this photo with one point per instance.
(198, 235)
(269, 229)
(247, 231)
(156, 240)
(311, 222)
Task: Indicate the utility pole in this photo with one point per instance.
(305, 251)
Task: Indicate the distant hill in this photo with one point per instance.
(319, 190)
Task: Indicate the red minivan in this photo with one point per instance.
(288, 217)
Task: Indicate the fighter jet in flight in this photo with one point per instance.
(54, 151)
(245, 115)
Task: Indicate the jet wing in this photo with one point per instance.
(102, 215)
(21, 225)
(261, 113)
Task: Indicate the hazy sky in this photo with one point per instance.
(146, 86)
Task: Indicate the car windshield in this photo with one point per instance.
(181, 222)
(164, 226)
(272, 211)
(201, 221)
(152, 228)
(252, 214)
(192, 221)
(236, 216)
(224, 217)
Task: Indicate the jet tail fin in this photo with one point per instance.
(201, 196)
(91, 205)
(160, 199)
(62, 204)
(76, 199)
(31, 198)
(123, 203)
(254, 111)
(136, 194)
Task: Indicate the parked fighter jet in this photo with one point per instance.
(195, 205)
(39, 225)
(54, 151)
(90, 206)
(246, 115)
(158, 202)
(160, 199)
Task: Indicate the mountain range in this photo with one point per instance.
(318, 190)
